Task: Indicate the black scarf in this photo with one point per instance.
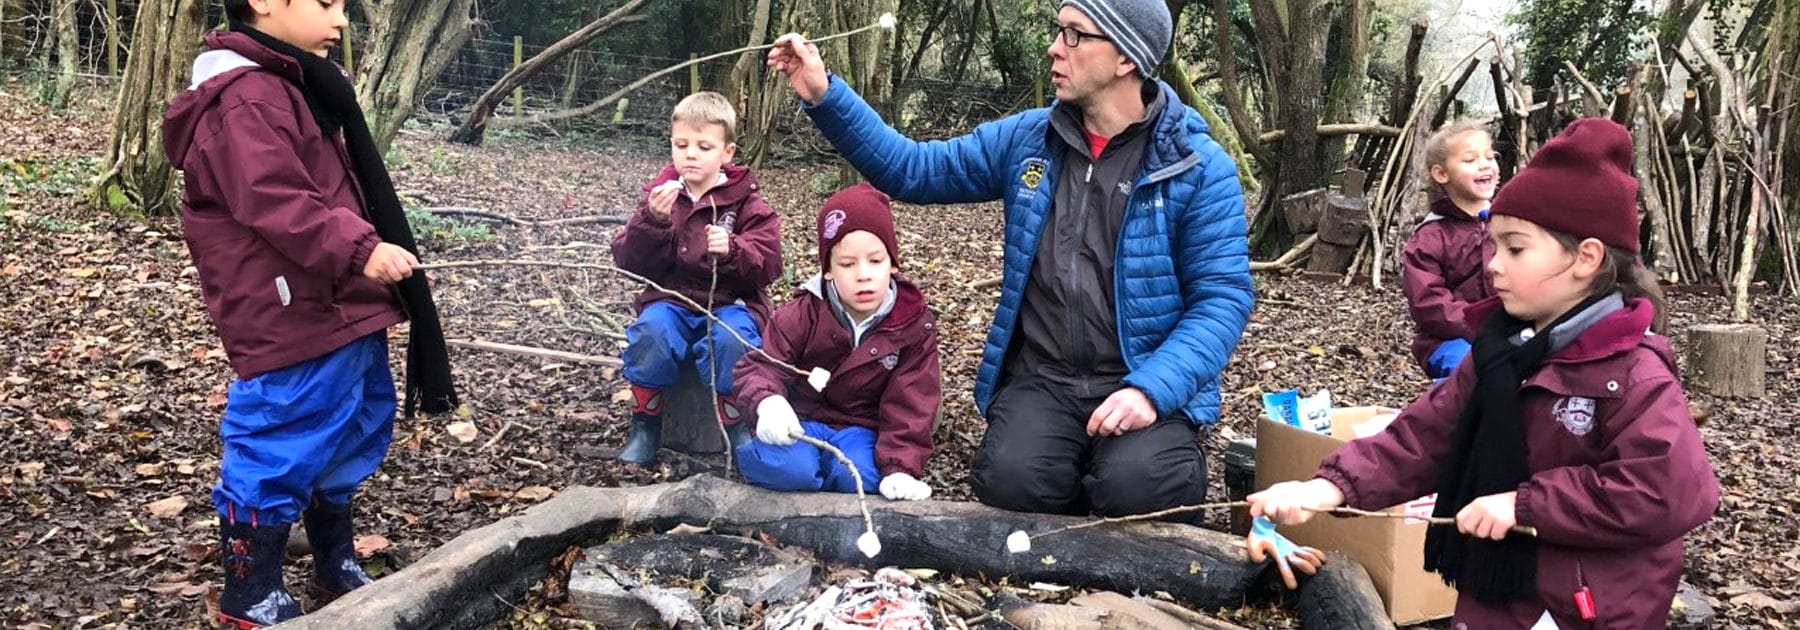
(1488, 456)
(332, 102)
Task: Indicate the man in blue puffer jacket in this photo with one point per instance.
(1127, 278)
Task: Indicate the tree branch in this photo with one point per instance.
(532, 351)
(504, 218)
(1335, 129)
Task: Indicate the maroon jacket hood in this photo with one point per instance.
(221, 63)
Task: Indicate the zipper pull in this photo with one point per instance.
(1584, 598)
(1090, 174)
(1584, 603)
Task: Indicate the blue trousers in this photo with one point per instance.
(315, 429)
(1446, 357)
(667, 336)
(802, 467)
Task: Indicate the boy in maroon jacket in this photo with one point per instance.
(304, 259)
(871, 330)
(701, 230)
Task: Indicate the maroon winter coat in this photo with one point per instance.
(672, 250)
(1618, 473)
(1444, 270)
(273, 217)
(891, 382)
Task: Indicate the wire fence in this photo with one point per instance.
(930, 106)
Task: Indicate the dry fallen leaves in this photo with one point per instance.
(167, 508)
(370, 545)
(464, 432)
(534, 493)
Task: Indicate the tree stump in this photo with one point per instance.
(1727, 359)
(1331, 258)
(1302, 210)
(689, 425)
(1343, 222)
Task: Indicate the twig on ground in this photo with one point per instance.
(530, 351)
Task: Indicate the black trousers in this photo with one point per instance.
(1038, 457)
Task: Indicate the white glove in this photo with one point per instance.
(903, 487)
(775, 421)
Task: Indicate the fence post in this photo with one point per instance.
(112, 37)
(1037, 89)
(349, 55)
(518, 60)
(693, 73)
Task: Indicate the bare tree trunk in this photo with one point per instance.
(746, 74)
(7, 33)
(1300, 166)
(574, 74)
(164, 41)
(1344, 98)
(1241, 121)
(68, 52)
(771, 96)
(869, 50)
(410, 42)
(475, 126)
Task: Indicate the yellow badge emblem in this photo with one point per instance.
(1034, 173)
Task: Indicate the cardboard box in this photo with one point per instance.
(1392, 550)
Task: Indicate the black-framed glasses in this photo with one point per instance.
(1072, 36)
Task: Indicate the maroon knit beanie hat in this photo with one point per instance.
(1579, 183)
(859, 207)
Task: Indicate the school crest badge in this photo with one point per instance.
(728, 221)
(834, 221)
(1576, 414)
(1034, 172)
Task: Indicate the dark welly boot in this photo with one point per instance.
(254, 595)
(646, 437)
(335, 570)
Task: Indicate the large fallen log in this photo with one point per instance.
(470, 581)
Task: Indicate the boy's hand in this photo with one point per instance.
(799, 60)
(1491, 516)
(718, 241)
(389, 263)
(1295, 502)
(904, 487)
(1124, 411)
(662, 198)
(775, 421)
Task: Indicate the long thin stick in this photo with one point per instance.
(541, 353)
(1184, 509)
(886, 22)
(634, 277)
(862, 500)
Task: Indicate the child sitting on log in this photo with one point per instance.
(1568, 419)
(870, 328)
(1442, 263)
(702, 230)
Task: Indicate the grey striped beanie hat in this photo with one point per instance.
(1140, 28)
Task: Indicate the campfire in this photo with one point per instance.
(710, 553)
